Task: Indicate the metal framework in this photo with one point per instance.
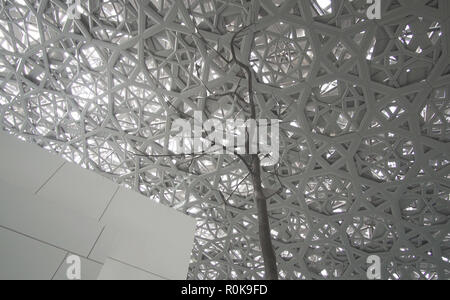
(364, 106)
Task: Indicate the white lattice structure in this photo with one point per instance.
(364, 105)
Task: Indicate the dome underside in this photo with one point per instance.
(364, 106)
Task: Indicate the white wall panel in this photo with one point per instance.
(72, 210)
(104, 244)
(46, 221)
(161, 254)
(129, 207)
(27, 259)
(114, 270)
(79, 190)
(25, 165)
(141, 242)
(89, 270)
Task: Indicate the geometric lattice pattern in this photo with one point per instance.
(364, 107)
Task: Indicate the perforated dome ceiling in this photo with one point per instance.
(364, 106)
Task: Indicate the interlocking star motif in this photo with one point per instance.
(364, 106)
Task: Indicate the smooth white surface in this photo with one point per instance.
(80, 190)
(104, 244)
(22, 258)
(141, 242)
(114, 270)
(159, 254)
(89, 270)
(133, 209)
(25, 165)
(64, 214)
(46, 221)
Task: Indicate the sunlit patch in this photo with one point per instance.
(92, 57)
(282, 55)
